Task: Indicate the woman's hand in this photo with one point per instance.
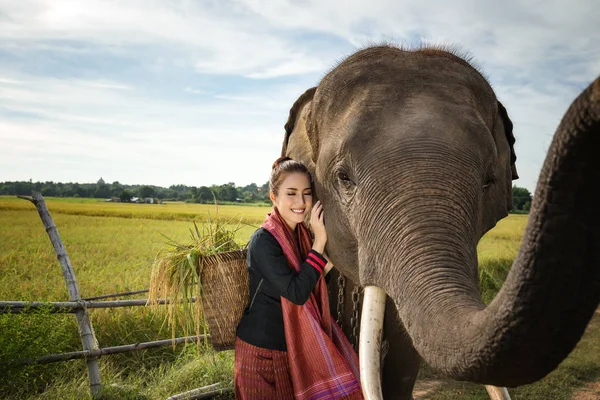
(318, 227)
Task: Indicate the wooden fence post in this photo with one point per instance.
(86, 331)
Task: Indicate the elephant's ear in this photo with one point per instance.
(306, 97)
(510, 137)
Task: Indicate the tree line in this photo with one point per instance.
(228, 192)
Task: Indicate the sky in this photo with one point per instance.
(197, 92)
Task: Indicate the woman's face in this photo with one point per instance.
(294, 198)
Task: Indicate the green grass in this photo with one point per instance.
(109, 255)
(112, 247)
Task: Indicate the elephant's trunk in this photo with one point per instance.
(551, 291)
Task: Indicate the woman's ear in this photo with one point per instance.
(272, 196)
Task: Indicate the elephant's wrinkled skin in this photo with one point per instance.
(413, 160)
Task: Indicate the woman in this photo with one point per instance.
(288, 346)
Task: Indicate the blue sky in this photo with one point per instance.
(197, 92)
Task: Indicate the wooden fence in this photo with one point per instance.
(79, 307)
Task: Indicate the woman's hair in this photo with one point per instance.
(281, 168)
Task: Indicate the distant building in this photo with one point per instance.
(146, 200)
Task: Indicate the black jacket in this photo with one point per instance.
(270, 279)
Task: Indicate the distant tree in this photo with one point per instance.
(227, 192)
(163, 193)
(264, 192)
(48, 191)
(23, 188)
(183, 192)
(145, 191)
(68, 190)
(204, 195)
(249, 192)
(102, 190)
(250, 188)
(521, 198)
(126, 195)
(79, 190)
(60, 189)
(116, 189)
(183, 196)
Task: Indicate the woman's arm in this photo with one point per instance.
(267, 258)
(329, 265)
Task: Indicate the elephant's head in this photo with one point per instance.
(413, 160)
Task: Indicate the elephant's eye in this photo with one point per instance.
(491, 179)
(346, 187)
(343, 176)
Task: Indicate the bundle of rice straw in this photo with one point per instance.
(212, 268)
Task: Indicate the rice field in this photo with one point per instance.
(112, 247)
(252, 214)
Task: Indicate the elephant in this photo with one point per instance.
(412, 157)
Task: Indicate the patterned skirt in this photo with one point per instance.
(261, 373)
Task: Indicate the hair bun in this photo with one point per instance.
(280, 160)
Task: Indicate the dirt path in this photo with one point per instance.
(590, 392)
(423, 390)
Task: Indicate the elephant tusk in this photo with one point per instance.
(371, 329)
(497, 393)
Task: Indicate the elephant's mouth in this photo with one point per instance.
(371, 333)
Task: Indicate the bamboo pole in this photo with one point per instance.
(210, 395)
(202, 393)
(186, 395)
(86, 331)
(107, 296)
(108, 350)
(16, 307)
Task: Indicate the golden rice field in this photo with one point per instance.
(169, 211)
(112, 246)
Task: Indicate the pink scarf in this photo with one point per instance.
(323, 364)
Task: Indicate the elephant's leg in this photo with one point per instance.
(401, 362)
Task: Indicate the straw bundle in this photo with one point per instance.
(212, 268)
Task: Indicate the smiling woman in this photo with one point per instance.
(275, 356)
(291, 193)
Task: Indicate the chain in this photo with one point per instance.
(354, 321)
(340, 302)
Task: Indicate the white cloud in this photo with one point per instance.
(217, 43)
(172, 81)
(127, 135)
(194, 91)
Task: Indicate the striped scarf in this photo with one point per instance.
(323, 364)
